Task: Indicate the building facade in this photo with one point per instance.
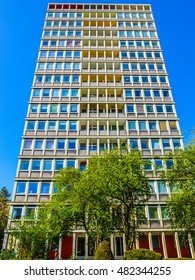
(100, 82)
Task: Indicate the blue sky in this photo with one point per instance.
(21, 24)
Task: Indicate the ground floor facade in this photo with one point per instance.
(165, 243)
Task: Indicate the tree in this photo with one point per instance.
(119, 177)
(4, 211)
(180, 177)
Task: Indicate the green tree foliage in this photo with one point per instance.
(142, 254)
(103, 252)
(181, 180)
(4, 211)
(120, 189)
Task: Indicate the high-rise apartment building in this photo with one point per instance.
(100, 82)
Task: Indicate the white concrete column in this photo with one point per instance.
(86, 245)
(177, 245)
(124, 243)
(60, 248)
(5, 241)
(192, 251)
(74, 245)
(137, 243)
(164, 245)
(150, 241)
(112, 243)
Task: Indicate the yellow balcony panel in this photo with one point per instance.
(93, 78)
(85, 43)
(101, 78)
(86, 15)
(113, 15)
(110, 78)
(116, 53)
(100, 15)
(84, 78)
(93, 23)
(93, 43)
(85, 53)
(92, 53)
(100, 23)
(100, 53)
(113, 23)
(108, 53)
(86, 23)
(107, 23)
(93, 15)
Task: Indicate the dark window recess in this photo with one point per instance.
(58, 6)
(155, 242)
(51, 6)
(93, 7)
(99, 7)
(80, 7)
(106, 7)
(66, 7)
(81, 246)
(73, 6)
(86, 7)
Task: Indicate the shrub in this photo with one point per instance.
(142, 254)
(103, 252)
(7, 255)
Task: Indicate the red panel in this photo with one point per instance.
(58, 6)
(143, 242)
(67, 247)
(66, 7)
(51, 6)
(106, 7)
(171, 249)
(185, 252)
(80, 7)
(73, 6)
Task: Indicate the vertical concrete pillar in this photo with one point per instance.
(74, 245)
(191, 246)
(164, 245)
(60, 248)
(177, 245)
(86, 245)
(150, 241)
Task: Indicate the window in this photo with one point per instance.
(74, 92)
(136, 79)
(134, 66)
(45, 188)
(176, 143)
(30, 212)
(159, 108)
(60, 144)
(154, 79)
(47, 165)
(155, 242)
(24, 165)
(36, 92)
(57, 79)
(70, 163)
(43, 108)
(38, 144)
(17, 212)
(27, 144)
(93, 147)
(138, 93)
(169, 108)
(36, 164)
(51, 125)
(155, 144)
(128, 93)
(152, 125)
(169, 163)
(39, 79)
(132, 55)
(125, 66)
(173, 125)
(163, 79)
(31, 125)
(53, 108)
(134, 144)
(72, 125)
(55, 92)
(161, 187)
(164, 212)
(166, 144)
(144, 144)
(62, 125)
(48, 79)
(132, 125)
(33, 187)
(66, 79)
(49, 144)
(156, 93)
(73, 108)
(72, 144)
(124, 54)
(142, 125)
(149, 109)
(145, 79)
(165, 93)
(151, 67)
(147, 93)
(152, 189)
(158, 164)
(63, 108)
(20, 188)
(59, 164)
(153, 212)
(65, 92)
(130, 108)
(46, 92)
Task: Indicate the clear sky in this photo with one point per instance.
(21, 24)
